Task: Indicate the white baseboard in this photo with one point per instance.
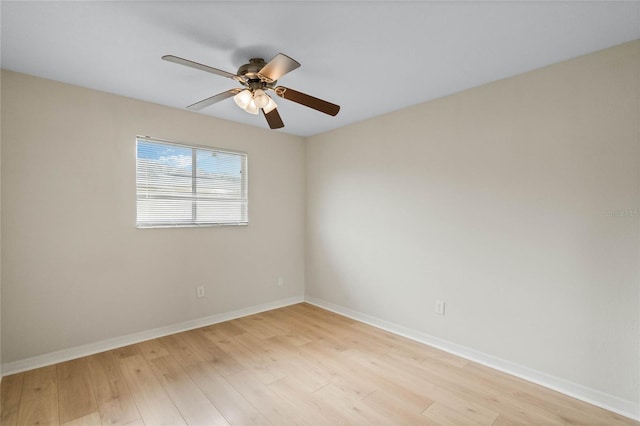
(117, 342)
(592, 396)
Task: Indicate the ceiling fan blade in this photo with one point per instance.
(278, 66)
(273, 118)
(307, 100)
(198, 66)
(213, 99)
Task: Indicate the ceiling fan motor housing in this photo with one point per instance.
(251, 73)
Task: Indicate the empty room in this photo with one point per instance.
(319, 213)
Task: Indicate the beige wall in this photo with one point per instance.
(495, 200)
(75, 268)
(0, 227)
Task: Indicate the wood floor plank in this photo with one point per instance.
(194, 406)
(277, 410)
(264, 368)
(287, 322)
(286, 362)
(275, 318)
(289, 360)
(75, 395)
(454, 383)
(229, 328)
(430, 355)
(408, 347)
(176, 345)
(233, 406)
(322, 317)
(297, 392)
(422, 392)
(349, 410)
(40, 411)
(153, 402)
(303, 368)
(395, 407)
(340, 328)
(257, 393)
(209, 352)
(126, 351)
(300, 324)
(259, 327)
(446, 416)
(291, 339)
(313, 330)
(115, 403)
(462, 393)
(346, 374)
(10, 394)
(92, 419)
(388, 380)
(152, 349)
(500, 421)
(359, 412)
(137, 422)
(39, 382)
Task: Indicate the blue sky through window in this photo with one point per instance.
(180, 157)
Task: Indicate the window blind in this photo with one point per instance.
(183, 185)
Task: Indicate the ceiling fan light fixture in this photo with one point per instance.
(260, 98)
(270, 106)
(243, 98)
(252, 108)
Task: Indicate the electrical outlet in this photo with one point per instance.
(280, 281)
(200, 291)
(439, 307)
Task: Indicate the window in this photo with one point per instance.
(181, 185)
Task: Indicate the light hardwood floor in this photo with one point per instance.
(294, 365)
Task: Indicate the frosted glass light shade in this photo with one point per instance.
(270, 106)
(243, 98)
(261, 99)
(252, 108)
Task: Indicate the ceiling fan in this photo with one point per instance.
(258, 77)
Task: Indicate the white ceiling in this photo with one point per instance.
(369, 57)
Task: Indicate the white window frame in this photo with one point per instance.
(244, 215)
